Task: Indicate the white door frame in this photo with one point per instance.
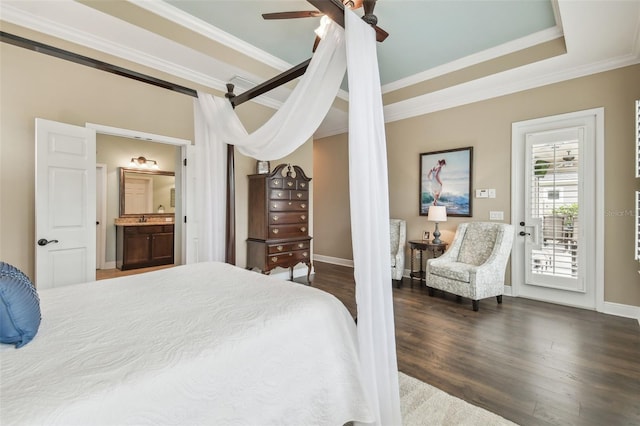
(186, 186)
(596, 258)
(101, 215)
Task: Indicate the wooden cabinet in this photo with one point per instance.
(139, 246)
(279, 220)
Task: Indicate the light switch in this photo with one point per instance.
(481, 193)
(492, 193)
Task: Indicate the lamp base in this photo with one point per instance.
(436, 235)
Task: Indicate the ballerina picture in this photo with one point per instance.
(445, 180)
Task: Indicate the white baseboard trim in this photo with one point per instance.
(610, 308)
(110, 265)
(333, 260)
(620, 310)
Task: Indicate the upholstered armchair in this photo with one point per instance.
(474, 266)
(398, 234)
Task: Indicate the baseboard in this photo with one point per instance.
(110, 265)
(610, 308)
(333, 260)
(620, 310)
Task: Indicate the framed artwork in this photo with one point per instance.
(262, 167)
(425, 235)
(445, 180)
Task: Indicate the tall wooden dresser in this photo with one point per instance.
(279, 220)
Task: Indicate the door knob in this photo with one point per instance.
(44, 241)
(522, 233)
(521, 223)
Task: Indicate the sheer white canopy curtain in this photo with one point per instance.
(217, 124)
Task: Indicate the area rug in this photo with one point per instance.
(423, 404)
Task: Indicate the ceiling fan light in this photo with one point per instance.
(321, 31)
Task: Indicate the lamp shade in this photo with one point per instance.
(437, 214)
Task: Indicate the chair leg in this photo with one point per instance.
(475, 304)
(431, 291)
(499, 299)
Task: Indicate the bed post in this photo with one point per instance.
(230, 234)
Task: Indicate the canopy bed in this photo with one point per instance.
(185, 345)
(218, 132)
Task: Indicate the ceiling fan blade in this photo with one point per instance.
(334, 9)
(293, 15)
(381, 34)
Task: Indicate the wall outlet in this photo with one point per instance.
(493, 215)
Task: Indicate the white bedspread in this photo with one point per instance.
(203, 344)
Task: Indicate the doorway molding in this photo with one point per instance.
(101, 216)
(183, 184)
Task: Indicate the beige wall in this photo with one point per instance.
(487, 127)
(36, 85)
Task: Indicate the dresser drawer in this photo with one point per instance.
(287, 259)
(288, 231)
(147, 229)
(285, 247)
(287, 206)
(282, 218)
(285, 194)
(276, 183)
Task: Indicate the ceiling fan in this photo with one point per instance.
(333, 9)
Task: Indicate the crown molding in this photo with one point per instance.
(477, 58)
(177, 16)
(59, 30)
(505, 83)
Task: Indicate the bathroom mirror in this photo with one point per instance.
(146, 192)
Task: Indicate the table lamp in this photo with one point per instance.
(437, 214)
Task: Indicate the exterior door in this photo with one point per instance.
(65, 204)
(554, 256)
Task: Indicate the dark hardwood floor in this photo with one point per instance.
(533, 363)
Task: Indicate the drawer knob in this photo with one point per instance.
(299, 195)
(303, 185)
(303, 217)
(303, 229)
(300, 245)
(279, 194)
(275, 218)
(290, 183)
(275, 206)
(290, 254)
(305, 254)
(275, 231)
(276, 182)
(279, 248)
(274, 259)
(303, 205)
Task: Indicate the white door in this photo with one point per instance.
(65, 204)
(554, 210)
(138, 195)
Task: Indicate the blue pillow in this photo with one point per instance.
(19, 307)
